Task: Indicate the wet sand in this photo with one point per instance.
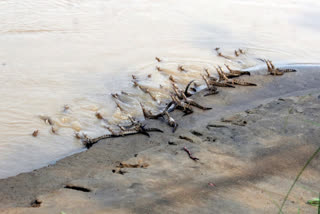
(245, 165)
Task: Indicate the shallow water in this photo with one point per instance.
(65, 52)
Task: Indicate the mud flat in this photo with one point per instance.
(250, 147)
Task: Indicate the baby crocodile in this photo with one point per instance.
(237, 72)
(185, 107)
(213, 82)
(276, 71)
(221, 55)
(145, 90)
(211, 88)
(225, 79)
(148, 115)
(193, 103)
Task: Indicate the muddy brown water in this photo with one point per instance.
(55, 53)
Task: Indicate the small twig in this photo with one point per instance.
(212, 184)
(190, 155)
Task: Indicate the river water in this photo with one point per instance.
(76, 52)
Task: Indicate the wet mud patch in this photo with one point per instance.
(77, 188)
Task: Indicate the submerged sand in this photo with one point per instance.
(246, 165)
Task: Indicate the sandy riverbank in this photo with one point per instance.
(246, 165)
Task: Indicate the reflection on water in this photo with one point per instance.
(66, 52)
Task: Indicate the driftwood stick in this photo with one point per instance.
(89, 142)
